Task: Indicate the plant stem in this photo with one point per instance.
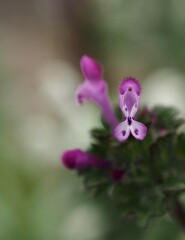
(178, 213)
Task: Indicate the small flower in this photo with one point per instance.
(94, 88)
(129, 97)
(78, 159)
(163, 132)
(117, 175)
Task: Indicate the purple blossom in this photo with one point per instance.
(129, 97)
(94, 88)
(78, 159)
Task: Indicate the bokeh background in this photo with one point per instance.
(41, 42)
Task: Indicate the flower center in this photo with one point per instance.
(129, 121)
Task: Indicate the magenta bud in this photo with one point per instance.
(117, 175)
(90, 68)
(75, 159)
(78, 159)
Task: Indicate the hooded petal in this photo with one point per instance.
(123, 106)
(129, 103)
(135, 106)
(129, 97)
(94, 88)
(138, 130)
(92, 71)
(131, 83)
(122, 131)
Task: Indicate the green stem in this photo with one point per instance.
(178, 213)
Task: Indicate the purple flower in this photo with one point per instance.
(129, 97)
(94, 88)
(78, 159)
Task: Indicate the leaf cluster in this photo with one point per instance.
(154, 169)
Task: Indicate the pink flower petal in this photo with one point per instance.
(91, 91)
(138, 130)
(91, 69)
(131, 83)
(122, 131)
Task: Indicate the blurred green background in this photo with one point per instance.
(41, 42)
